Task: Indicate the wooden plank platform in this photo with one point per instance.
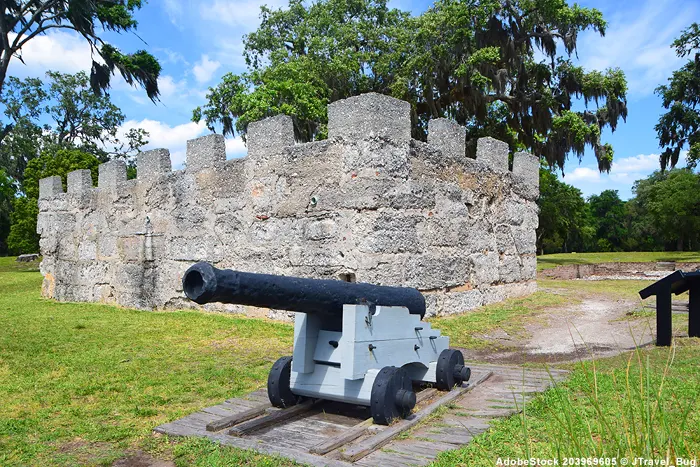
(336, 434)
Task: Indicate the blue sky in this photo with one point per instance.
(198, 41)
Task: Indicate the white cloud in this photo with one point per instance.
(172, 56)
(638, 40)
(235, 147)
(205, 69)
(174, 10)
(58, 51)
(244, 14)
(169, 87)
(162, 135)
(584, 174)
(174, 138)
(642, 163)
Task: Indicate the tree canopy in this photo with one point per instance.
(664, 214)
(671, 202)
(564, 216)
(63, 113)
(679, 128)
(23, 20)
(470, 60)
(7, 194)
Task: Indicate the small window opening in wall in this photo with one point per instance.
(348, 277)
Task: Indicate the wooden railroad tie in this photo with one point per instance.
(371, 444)
(360, 429)
(226, 422)
(274, 417)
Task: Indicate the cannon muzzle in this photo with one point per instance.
(203, 283)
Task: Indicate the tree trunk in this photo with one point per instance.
(4, 64)
(679, 244)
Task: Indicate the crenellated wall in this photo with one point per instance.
(367, 204)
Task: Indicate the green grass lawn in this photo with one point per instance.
(627, 289)
(551, 261)
(84, 383)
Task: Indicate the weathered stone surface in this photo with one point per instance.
(79, 181)
(270, 135)
(369, 116)
(50, 186)
(526, 166)
(153, 163)
(492, 153)
(448, 136)
(369, 203)
(205, 152)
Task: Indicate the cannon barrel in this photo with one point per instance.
(203, 283)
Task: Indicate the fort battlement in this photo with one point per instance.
(369, 204)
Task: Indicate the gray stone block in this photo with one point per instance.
(509, 268)
(459, 302)
(437, 269)
(205, 152)
(270, 136)
(529, 267)
(111, 175)
(50, 186)
(79, 181)
(492, 153)
(369, 116)
(484, 268)
(448, 136)
(527, 166)
(153, 163)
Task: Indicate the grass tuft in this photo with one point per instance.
(645, 404)
(560, 259)
(511, 316)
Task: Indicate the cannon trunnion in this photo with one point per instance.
(356, 343)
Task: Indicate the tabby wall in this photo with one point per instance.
(368, 204)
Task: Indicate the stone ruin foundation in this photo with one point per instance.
(369, 204)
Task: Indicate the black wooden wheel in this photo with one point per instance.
(392, 395)
(278, 389)
(451, 369)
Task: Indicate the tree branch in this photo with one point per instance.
(37, 14)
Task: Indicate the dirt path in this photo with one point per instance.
(597, 326)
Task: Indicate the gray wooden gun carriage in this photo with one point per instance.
(356, 343)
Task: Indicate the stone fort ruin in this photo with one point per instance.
(369, 204)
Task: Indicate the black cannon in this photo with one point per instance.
(353, 342)
(203, 283)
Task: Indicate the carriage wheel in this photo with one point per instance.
(392, 395)
(278, 389)
(451, 370)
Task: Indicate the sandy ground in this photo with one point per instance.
(595, 327)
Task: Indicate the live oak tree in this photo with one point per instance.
(23, 20)
(7, 194)
(23, 103)
(609, 218)
(670, 202)
(62, 113)
(679, 128)
(471, 60)
(565, 223)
